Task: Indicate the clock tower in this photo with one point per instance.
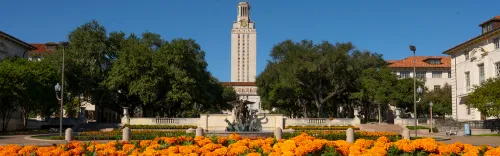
(243, 46)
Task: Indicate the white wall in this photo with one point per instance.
(12, 49)
(429, 81)
(461, 65)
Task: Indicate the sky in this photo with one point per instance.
(387, 27)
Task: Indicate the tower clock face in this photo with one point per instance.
(244, 23)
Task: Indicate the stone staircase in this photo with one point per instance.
(381, 128)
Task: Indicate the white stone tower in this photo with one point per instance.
(243, 46)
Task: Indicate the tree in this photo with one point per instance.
(28, 86)
(441, 99)
(305, 74)
(403, 94)
(486, 97)
(378, 86)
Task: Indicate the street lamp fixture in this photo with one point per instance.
(59, 97)
(430, 109)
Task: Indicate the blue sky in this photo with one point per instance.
(382, 26)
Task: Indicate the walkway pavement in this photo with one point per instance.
(474, 140)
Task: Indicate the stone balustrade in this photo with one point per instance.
(322, 122)
(217, 121)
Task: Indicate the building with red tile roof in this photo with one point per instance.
(41, 50)
(473, 62)
(436, 70)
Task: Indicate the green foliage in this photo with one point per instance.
(486, 97)
(304, 77)
(403, 93)
(441, 99)
(115, 70)
(377, 87)
(27, 85)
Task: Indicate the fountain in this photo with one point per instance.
(245, 120)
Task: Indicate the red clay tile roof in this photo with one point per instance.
(391, 61)
(408, 62)
(238, 83)
(496, 18)
(40, 48)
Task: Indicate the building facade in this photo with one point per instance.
(473, 62)
(435, 70)
(11, 46)
(243, 46)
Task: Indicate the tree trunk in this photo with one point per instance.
(6, 114)
(25, 116)
(379, 114)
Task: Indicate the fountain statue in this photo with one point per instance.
(244, 120)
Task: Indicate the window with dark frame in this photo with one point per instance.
(496, 41)
(497, 69)
(467, 80)
(421, 74)
(437, 74)
(404, 74)
(481, 72)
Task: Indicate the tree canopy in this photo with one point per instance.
(26, 85)
(486, 98)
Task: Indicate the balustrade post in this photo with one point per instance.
(126, 134)
(199, 131)
(278, 133)
(350, 135)
(68, 135)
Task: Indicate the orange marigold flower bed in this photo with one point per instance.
(235, 145)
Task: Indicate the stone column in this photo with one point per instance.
(126, 134)
(350, 135)
(406, 133)
(68, 134)
(199, 131)
(278, 133)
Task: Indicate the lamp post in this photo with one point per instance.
(61, 88)
(414, 49)
(419, 92)
(57, 88)
(430, 107)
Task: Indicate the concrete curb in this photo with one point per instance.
(30, 137)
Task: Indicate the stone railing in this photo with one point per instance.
(163, 121)
(217, 121)
(322, 122)
(411, 121)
